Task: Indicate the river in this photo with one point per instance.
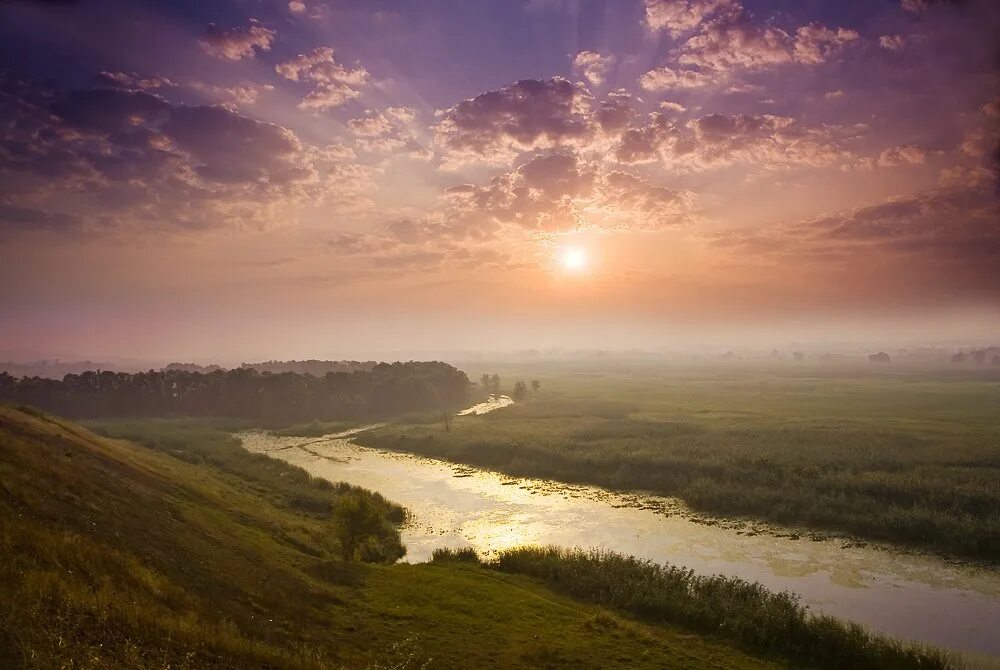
(904, 594)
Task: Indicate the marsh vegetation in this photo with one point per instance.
(908, 458)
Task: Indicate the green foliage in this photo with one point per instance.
(904, 458)
(730, 608)
(362, 529)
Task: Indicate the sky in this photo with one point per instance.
(245, 179)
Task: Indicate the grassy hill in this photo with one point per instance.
(196, 554)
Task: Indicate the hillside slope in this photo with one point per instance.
(121, 556)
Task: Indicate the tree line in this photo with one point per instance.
(385, 390)
(491, 384)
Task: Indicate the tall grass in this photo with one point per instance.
(730, 608)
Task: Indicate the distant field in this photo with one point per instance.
(906, 456)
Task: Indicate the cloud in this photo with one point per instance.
(733, 41)
(936, 231)
(717, 140)
(237, 43)
(901, 155)
(241, 94)
(122, 157)
(227, 147)
(592, 66)
(814, 43)
(116, 112)
(20, 218)
(529, 114)
(559, 193)
(615, 112)
(388, 131)
(981, 139)
(131, 80)
(666, 78)
(334, 83)
(920, 6)
(725, 38)
(720, 38)
(404, 245)
(633, 203)
(892, 42)
(312, 9)
(679, 16)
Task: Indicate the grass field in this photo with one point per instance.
(187, 555)
(905, 456)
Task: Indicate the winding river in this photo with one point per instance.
(908, 595)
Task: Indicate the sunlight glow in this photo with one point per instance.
(573, 259)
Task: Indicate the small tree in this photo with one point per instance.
(495, 383)
(520, 391)
(535, 384)
(357, 519)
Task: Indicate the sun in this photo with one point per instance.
(573, 259)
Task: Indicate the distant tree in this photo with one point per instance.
(535, 384)
(484, 381)
(797, 355)
(880, 357)
(447, 422)
(520, 391)
(357, 519)
(495, 383)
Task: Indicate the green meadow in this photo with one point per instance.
(905, 456)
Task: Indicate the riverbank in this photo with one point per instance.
(451, 506)
(899, 459)
(747, 614)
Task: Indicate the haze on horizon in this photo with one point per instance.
(272, 179)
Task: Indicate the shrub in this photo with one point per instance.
(463, 555)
